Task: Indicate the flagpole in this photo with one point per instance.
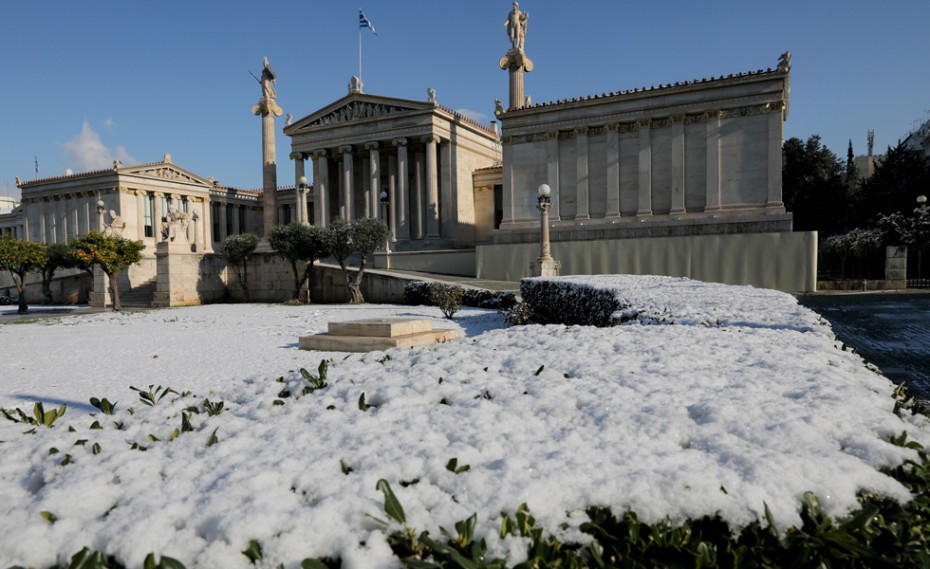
(359, 54)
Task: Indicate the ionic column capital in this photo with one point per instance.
(399, 142)
(319, 153)
(372, 145)
(297, 155)
(430, 138)
(347, 149)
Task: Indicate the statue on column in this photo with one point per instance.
(267, 104)
(516, 26)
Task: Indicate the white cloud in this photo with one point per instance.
(87, 151)
(109, 123)
(473, 115)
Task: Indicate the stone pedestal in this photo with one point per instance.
(99, 296)
(896, 266)
(516, 63)
(377, 334)
(178, 275)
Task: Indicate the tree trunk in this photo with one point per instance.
(21, 289)
(47, 286)
(355, 285)
(295, 295)
(244, 282)
(308, 278)
(114, 288)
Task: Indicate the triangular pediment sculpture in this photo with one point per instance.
(358, 107)
(166, 172)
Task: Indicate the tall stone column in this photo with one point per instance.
(268, 109)
(345, 208)
(773, 200)
(374, 178)
(552, 172)
(713, 161)
(321, 187)
(224, 227)
(432, 188)
(582, 179)
(159, 215)
(678, 165)
(403, 189)
(392, 196)
(299, 198)
(418, 201)
(644, 207)
(613, 170)
(207, 224)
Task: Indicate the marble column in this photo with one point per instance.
(207, 215)
(224, 228)
(298, 193)
(74, 201)
(345, 208)
(714, 119)
(236, 230)
(392, 196)
(321, 187)
(374, 178)
(43, 235)
(613, 170)
(678, 165)
(644, 203)
(552, 172)
(89, 206)
(432, 187)
(403, 190)
(61, 234)
(582, 179)
(416, 212)
(773, 199)
(140, 212)
(159, 214)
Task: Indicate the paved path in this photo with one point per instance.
(889, 329)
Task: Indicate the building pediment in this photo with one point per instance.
(357, 107)
(165, 171)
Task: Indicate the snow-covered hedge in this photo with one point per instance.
(608, 300)
(421, 292)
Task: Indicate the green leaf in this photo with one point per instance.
(312, 564)
(254, 551)
(361, 403)
(345, 469)
(541, 368)
(95, 449)
(213, 439)
(49, 517)
(392, 506)
(506, 526)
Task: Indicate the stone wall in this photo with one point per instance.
(783, 261)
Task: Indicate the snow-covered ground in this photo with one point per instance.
(745, 401)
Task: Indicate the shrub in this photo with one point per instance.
(560, 302)
(421, 292)
(447, 297)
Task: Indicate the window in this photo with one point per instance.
(149, 215)
(215, 218)
(287, 213)
(229, 219)
(242, 228)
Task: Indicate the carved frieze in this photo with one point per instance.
(167, 173)
(660, 123)
(357, 111)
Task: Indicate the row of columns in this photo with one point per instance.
(57, 219)
(714, 185)
(412, 208)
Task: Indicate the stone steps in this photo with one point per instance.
(377, 334)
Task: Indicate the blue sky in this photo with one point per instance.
(90, 81)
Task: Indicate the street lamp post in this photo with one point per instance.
(303, 187)
(545, 266)
(100, 207)
(385, 203)
(921, 202)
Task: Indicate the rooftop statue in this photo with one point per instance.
(516, 26)
(267, 103)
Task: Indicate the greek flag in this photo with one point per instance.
(364, 23)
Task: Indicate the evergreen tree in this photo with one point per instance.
(112, 253)
(59, 257)
(898, 179)
(852, 172)
(299, 243)
(362, 237)
(814, 187)
(238, 250)
(20, 258)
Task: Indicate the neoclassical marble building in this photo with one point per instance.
(407, 162)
